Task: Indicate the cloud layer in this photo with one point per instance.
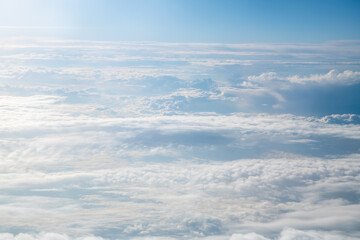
(188, 199)
(286, 234)
(120, 140)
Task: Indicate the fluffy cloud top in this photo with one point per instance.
(117, 140)
(262, 195)
(293, 234)
(332, 77)
(287, 234)
(44, 236)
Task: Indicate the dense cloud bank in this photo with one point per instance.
(287, 234)
(188, 199)
(116, 140)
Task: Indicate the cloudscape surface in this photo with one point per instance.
(172, 120)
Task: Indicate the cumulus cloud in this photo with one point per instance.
(263, 77)
(347, 77)
(332, 77)
(248, 236)
(188, 198)
(117, 140)
(45, 112)
(43, 131)
(115, 70)
(286, 234)
(44, 236)
(292, 234)
(182, 60)
(341, 118)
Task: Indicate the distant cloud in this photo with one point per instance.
(332, 77)
(263, 77)
(293, 234)
(44, 236)
(248, 236)
(286, 234)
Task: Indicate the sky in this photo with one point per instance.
(174, 120)
(228, 21)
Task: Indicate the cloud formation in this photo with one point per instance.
(291, 234)
(262, 195)
(120, 140)
(332, 77)
(44, 236)
(286, 234)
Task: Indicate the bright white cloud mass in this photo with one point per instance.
(147, 140)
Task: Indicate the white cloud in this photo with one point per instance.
(188, 198)
(45, 113)
(332, 77)
(248, 236)
(304, 140)
(99, 61)
(263, 77)
(44, 236)
(290, 233)
(110, 158)
(294, 234)
(44, 132)
(341, 118)
(286, 234)
(347, 77)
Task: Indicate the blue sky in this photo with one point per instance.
(187, 21)
(176, 120)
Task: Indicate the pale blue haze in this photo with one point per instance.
(229, 21)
